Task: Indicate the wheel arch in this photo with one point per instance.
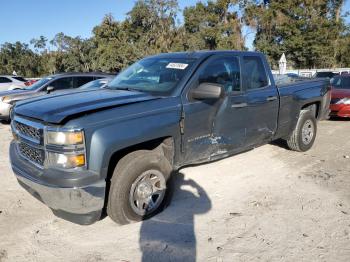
(164, 145)
(314, 107)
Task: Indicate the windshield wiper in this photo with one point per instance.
(123, 88)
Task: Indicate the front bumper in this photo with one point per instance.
(340, 110)
(5, 111)
(81, 205)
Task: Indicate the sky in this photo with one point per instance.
(22, 20)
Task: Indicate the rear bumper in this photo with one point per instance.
(340, 110)
(81, 205)
(5, 111)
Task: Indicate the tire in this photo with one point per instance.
(307, 122)
(134, 173)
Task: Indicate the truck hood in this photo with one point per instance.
(58, 108)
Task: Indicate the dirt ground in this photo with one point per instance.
(268, 204)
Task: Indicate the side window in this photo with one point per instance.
(224, 71)
(4, 80)
(82, 80)
(254, 74)
(62, 83)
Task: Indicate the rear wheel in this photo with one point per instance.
(138, 186)
(304, 134)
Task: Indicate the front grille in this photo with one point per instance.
(28, 131)
(33, 154)
(335, 100)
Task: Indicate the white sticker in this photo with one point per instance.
(180, 66)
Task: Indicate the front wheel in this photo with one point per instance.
(138, 186)
(304, 134)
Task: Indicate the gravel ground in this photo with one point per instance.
(268, 204)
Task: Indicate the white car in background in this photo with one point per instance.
(8, 82)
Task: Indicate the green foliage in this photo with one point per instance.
(312, 33)
(213, 25)
(18, 57)
(307, 31)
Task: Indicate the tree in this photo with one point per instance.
(151, 24)
(18, 57)
(305, 30)
(114, 50)
(213, 25)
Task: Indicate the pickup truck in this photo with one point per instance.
(113, 150)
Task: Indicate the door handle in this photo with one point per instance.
(271, 98)
(239, 105)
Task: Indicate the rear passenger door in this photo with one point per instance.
(262, 101)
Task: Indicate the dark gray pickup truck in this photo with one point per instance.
(115, 149)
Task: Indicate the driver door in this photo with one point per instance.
(214, 126)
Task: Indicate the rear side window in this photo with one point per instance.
(79, 81)
(224, 71)
(63, 83)
(4, 80)
(254, 74)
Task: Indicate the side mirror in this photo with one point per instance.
(49, 89)
(208, 91)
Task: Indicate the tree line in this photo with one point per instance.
(312, 34)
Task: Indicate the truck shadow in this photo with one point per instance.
(170, 236)
(339, 119)
(280, 143)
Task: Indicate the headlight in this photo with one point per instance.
(344, 101)
(65, 148)
(65, 138)
(6, 99)
(66, 161)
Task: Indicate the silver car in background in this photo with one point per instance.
(8, 82)
(50, 84)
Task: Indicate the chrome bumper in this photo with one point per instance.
(5, 110)
(72, 200)
(78, 204)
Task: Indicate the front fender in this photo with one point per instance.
(111, 138)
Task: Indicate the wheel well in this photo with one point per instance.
(165, 145)
(313, 107)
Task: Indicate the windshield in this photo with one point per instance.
(341, 82)
(19, 78)
(38, 84)
(94, 84)
(155, 75)
(325, 74)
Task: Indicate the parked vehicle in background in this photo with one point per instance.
(293, 75)
(30, 82)
(50, 84)
(8, 82)
(285, 79)
(323, 74)
(340, 102)
(99, 83)
(116, 147)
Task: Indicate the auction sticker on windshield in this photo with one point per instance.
(180, 66)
